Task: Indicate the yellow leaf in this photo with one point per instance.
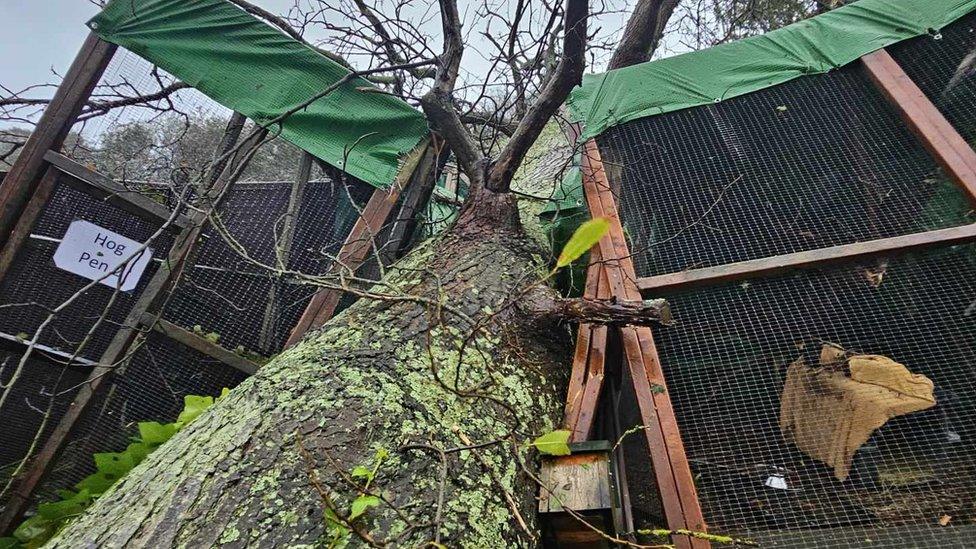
(585, 237)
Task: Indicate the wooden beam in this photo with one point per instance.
(194, 341)
(941, 139)
(104, 188)
(28, 218)
(357, 246)
(117, 353)
(804, 260)
(672, 471)
(283, 247)
(51, 130)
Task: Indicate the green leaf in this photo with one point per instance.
(156, 433)
(361, 504)
(137, 451)
(363, 472)
(585, 237)
(97, 483)
(35, 531)
(9, 543)
(60, 510)
(555, 443)
(115, 464)
(193, 406)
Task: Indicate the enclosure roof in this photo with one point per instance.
(252, 68)
(812, 46)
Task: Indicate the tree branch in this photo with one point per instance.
(597, 311)
(643, 32)
(568, 74)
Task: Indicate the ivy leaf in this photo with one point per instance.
(585, 237)
(115, 464)
(156, 433)
(9, 543)
(60, 510)
(361, 504)
(555, 443)
(193, 406)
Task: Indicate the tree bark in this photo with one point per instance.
(643, 33)
(256, 469)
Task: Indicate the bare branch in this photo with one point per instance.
(643, 33)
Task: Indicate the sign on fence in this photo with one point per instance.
(97, 253)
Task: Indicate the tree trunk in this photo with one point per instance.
(260, 467)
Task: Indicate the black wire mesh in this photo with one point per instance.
(816, 162)
(726, 362)
(34, 286)
(943, 65)
(152, 388)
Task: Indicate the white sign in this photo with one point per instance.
(99, 254)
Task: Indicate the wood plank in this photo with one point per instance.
(675, 482)
(52, 128)
(941, 139)
(283, 247)
(194, 341)
(802, 260)
(28, 218)
(117, 353)
(101, 187)
(358, 244)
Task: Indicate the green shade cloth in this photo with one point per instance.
(250, 67)
(812, 46)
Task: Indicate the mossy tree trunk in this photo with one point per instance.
(256, 469)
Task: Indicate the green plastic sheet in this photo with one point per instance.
(246, 65)
(812, 46)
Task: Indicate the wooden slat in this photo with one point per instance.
(28, 218)
(357, 246)
(673, 473)
(283, 247)
(801, 260)
(949, 148)
(194, 341)
(101, 187)
(51, 130)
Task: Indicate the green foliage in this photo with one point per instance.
(585, 237)
(52, 517)
(555, 443)
(338, 528)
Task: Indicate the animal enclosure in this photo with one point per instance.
(816, 216)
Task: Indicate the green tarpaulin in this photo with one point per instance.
(252, 68)
(813, 46)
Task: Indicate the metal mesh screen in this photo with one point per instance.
(816, 162)
(152, 389)
(943, 65)
(726, 363)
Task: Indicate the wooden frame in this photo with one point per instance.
(361, 239)
(804, 260)
(671, 468)
(49, 134)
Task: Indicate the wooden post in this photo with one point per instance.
(283, 247)
(118, 351)
(949, 148)
(359, 243)
(672, 471)
(51, 130)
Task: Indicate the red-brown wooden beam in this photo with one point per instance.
(51, 130)
(675, 483)
(361, 241)
(803, 260)
(941, 139)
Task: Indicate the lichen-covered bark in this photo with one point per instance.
(366, 381)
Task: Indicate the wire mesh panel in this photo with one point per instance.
(943, 65)
(232, 293)
(152, 388)
(35, 286)
(816, 162)
(732, 363)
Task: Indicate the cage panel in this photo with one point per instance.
(819, 161)
(727, 361)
